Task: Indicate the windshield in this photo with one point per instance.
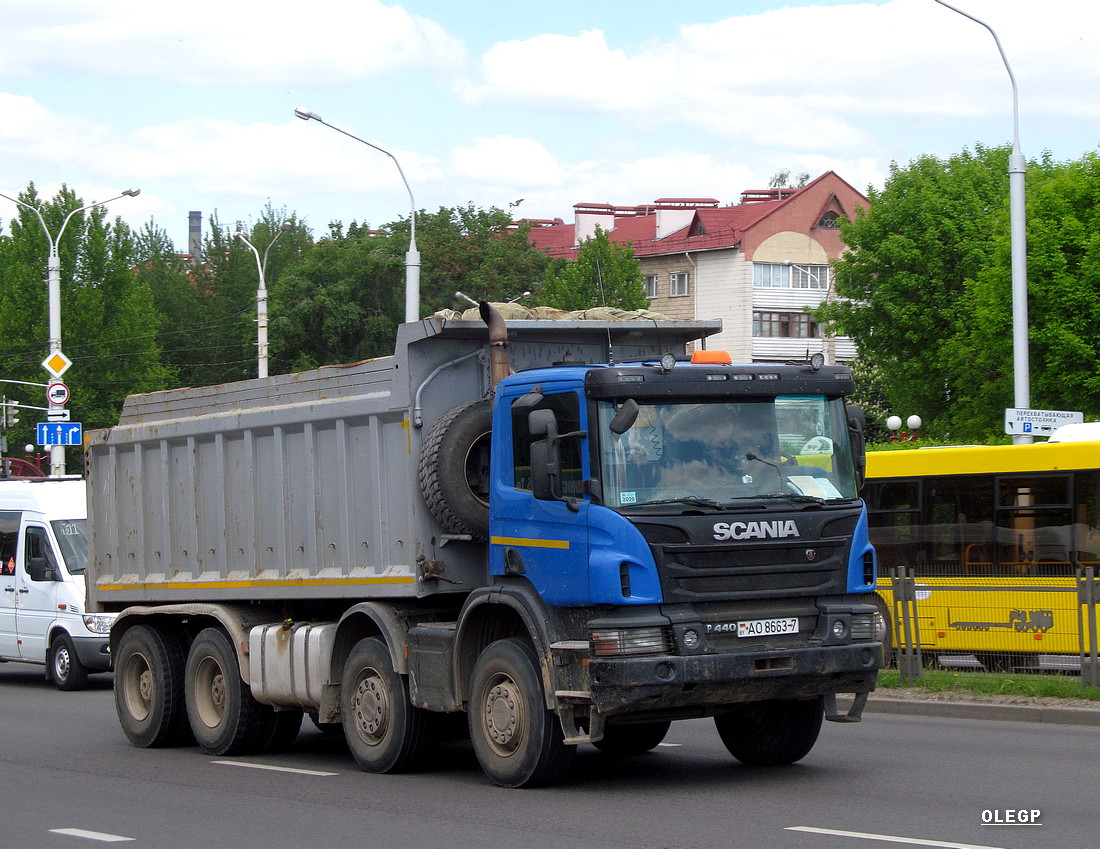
(720, 454)
(72, 538)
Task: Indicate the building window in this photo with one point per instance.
(785, 325)
(778, 275)
(650, 283)
(678, 284)
(830, 221)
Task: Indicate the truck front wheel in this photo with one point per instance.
(632, 739)
(224, 716)
(385, 732)
(149, 670)
(518, 742)
(771, 733)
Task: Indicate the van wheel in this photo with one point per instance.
(518, 742)
(454, 469)
(149, 669)
(384, 731)
(66, 670)
(771, 733)
(224, 716)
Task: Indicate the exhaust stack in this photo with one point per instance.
(499, 362)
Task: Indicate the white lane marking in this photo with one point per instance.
(888, 838)
(274, 768)
(91, 835)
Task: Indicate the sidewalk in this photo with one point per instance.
(913, 702)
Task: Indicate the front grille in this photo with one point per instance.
(763, 570)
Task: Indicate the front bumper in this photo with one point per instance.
(672, 682)
(94, 652)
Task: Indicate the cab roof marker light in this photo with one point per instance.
(768, 376)
(631, 378)
(707, 356)
(742, 377)
(718, 377)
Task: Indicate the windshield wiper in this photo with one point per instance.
(690, 500)
(786, 496)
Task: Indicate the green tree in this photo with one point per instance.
(903, 283)
(107, 316)
(605, 273)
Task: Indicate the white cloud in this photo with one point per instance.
(216, 42)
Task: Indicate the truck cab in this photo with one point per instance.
(43, 553)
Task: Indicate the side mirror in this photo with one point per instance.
(625, 418)
(857, 423)
(545, 455)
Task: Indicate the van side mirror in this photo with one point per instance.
(40, 569)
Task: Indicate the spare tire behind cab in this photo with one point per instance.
(454, 469)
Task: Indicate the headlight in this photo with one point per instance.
(98, 623)
(612, 641)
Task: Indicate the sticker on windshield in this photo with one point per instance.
(628, 498)
(817, 487)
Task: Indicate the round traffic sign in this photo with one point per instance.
(57, 394)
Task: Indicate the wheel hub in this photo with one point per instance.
(371, 706)
(503, 711)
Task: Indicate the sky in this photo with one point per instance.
(493, 103)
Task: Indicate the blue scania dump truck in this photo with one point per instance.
(569, 531)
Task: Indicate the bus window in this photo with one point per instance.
(1034, 525)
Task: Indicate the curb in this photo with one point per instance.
(955, 709)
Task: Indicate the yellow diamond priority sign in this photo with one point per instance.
(56, 364)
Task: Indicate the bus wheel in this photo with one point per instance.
(149, 670)
(224, 716)
(633, 739)
(771, 733)
(518, 742)
(385, 732)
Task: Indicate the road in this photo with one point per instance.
(72, 781)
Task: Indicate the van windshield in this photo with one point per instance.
(73, 540)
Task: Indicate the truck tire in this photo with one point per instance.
(771, 733)
(633, 739)
(149, 669)
(66, 670)
(224, 716)
(518, 742)
(454, 469)
(280, 729)
(383, 729)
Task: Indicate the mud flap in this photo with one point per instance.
(854, 714)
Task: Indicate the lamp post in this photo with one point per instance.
(261, 296)
(828, 342)
(412, 257)
(53, 279)
(1017, 169)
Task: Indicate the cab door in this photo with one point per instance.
(9, 544)
(38, 577)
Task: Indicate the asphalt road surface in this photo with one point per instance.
(71, 780)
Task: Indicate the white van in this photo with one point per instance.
(43, 552)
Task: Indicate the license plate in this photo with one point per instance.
(767, 627)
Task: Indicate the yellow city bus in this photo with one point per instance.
(997, 541)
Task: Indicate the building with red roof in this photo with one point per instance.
(756, 265)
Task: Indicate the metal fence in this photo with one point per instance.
(1026, 623)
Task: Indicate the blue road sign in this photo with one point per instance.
(60, 433)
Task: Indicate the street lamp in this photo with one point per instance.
(1017, 169)
(53, 277)
(828, 342)
(412, 258)
(261, 296)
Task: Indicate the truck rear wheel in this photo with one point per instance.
(632, 739)
(518, 742)
(224, 716)
(149, 670)
(771, 733)
(384, 731)
(454, 469)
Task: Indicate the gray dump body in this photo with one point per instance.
(304, 486)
